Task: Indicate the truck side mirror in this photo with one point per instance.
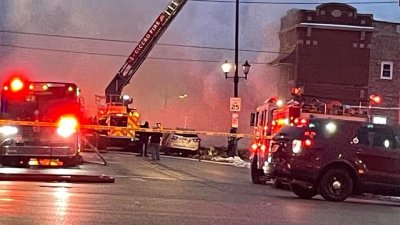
(252, 119)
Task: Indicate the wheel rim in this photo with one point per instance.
(337, 185)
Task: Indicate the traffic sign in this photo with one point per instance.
(235, 104)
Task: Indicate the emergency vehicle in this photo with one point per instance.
(115, 111)
(39, 123)
(275, 113)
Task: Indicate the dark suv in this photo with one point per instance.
(337, 158)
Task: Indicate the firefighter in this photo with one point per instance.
(155, 143)
(143, 140)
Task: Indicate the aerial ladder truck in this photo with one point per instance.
(113, 108)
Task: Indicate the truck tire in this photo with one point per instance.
(336, 185)
(302, 192)
(256, 174)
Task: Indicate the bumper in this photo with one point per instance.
(291, 170)
(38, 151)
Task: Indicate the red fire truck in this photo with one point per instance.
(275, 113)
(24, 107)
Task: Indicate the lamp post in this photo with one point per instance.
(182, 97)
(226, 68)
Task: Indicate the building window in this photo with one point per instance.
(387, 70)
(308, 31)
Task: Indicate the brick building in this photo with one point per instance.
(335, 53)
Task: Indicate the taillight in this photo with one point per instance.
(307, 142)
(67, 125)
(254, 146)
(263, 148)
(300, 122)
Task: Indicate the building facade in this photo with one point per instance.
(335, 53)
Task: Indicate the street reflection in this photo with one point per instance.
(62, 196)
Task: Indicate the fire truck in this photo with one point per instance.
(113, 108)
(24, 107)
(275, 113)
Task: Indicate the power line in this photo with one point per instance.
(116, 55)
(133, 42)
(295, 3)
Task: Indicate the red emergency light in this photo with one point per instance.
(16, 87)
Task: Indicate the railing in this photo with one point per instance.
(332, 109)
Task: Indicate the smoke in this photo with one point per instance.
(158, 83)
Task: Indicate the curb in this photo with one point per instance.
(57, 178)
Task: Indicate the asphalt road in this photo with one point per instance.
(174, 191)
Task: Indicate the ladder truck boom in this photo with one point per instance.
(139, 54)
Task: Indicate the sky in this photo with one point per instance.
(57, 40)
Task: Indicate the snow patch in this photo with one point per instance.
(236, 161)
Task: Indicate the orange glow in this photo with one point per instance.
(5, 88)
(45, 87)
(375, 99)
(16, 85)
(70, 89)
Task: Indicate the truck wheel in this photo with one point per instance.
(336, 185)
(256, 174)
(302, 192)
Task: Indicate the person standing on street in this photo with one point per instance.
(143, 140)
(155, 143)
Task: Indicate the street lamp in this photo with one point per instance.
(182, 97)
(226, 68)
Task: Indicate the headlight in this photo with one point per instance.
(8, 130)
